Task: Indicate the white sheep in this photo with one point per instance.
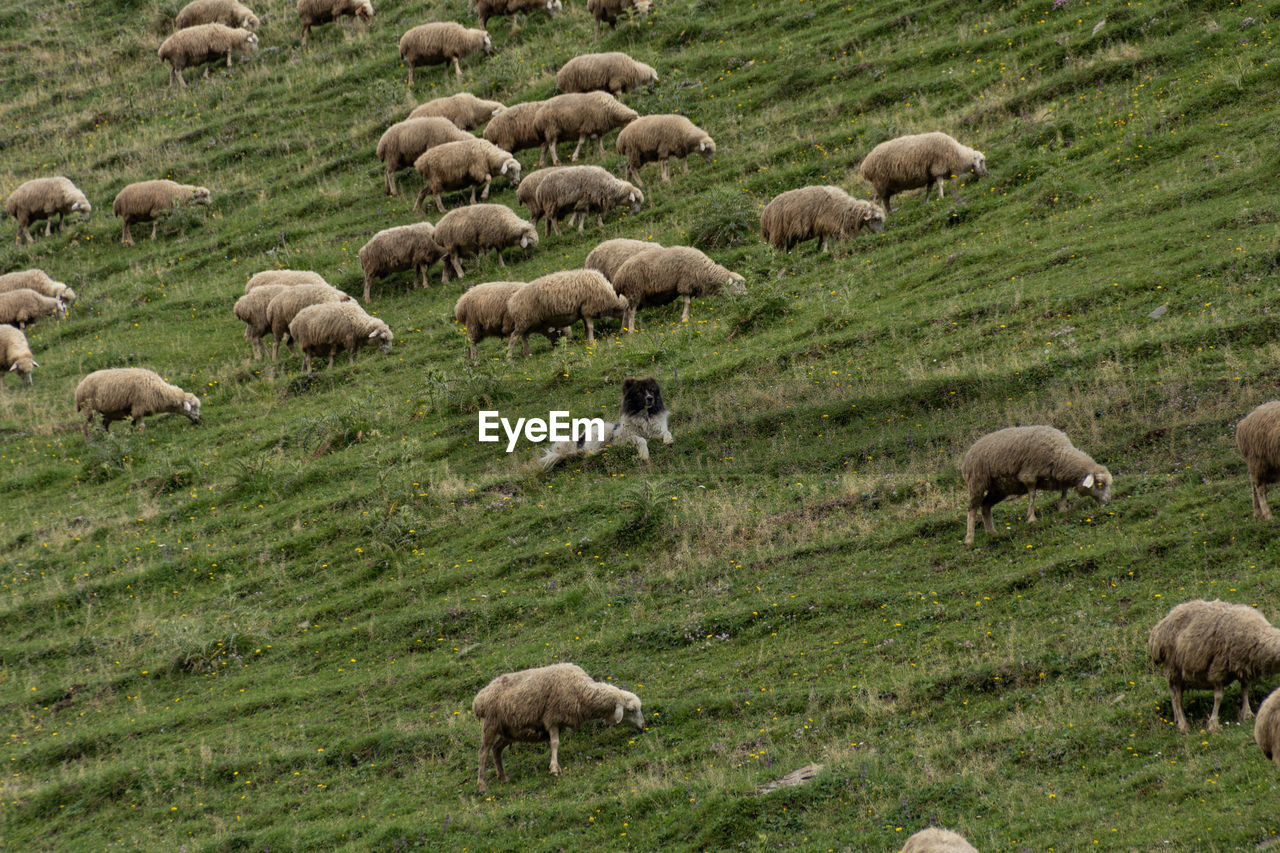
(609, 11)
(1209, 644)
(483, 311)
(1258, 438)
(658, 138)
(39, 281)
(201, 45)
(403, 247)
(527, 194)
(440, 43)
(1023, 460)
(131, 392)
(819, 213)
(286, 304)
(337, 325)
(313, 13)
(251, 309)
(477, 228)
(44, 198)
(231, 13)
(559, 300)
(148, 200)
(487, 9)
(1266, 729)
(464, 109)
(285, 277)
(661, 275)
(609, 256)
(15, 355)
(24, 306)
(513, 129)
(582, 115)
(918, 160)
(536, 704)
(936, 840)
(406, 141)
(614, 72)
(580, 190)
(458, 165)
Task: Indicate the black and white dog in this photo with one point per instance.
(642, 416)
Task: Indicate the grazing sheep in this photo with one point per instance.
(43, 198)
(487, 9)
(458, 165)
(613, 72)
(935, 840)
(819, 214)
(251, 309)
(513, 130)
(1258, 437)
(202, 45)
(658, 138)
(231, 13)
(919, 160)
(1022, 460)
(1266, 729)
(527, 194)
(440, 43)
(1209, 644)
(609, 11)
(285, 277)
(609, 256)
(147, 200)
(405, 247)
(657, 276)
(39, 281)
(479, 227)
(131, 392)
(406, 141)
(560, 299)
(483, 310)
(581, 115)
(15, 355)
(334, 326)
(313, 13)
(24, 306)
(464, 109)
(535, 704)
(285, 305)
(580, 190)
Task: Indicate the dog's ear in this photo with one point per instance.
(627, 383)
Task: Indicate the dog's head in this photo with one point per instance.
(641, 395)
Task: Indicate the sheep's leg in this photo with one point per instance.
(485, 194)
(48, 227)
(500, 745)
(987, 523)
(457, 267)
(591, 331)
(825, 243)
(1246, 713)
(126, 239)
(578, 149)
(555, 223)
(422, 196)
(542, 154)
(666, 171)
(1031, 504)
(334, 351)
(1062, 501)
(629, 318)
(940, 193)
(138, 424)
(440, 202)
(582, 220)
(501, 262)
(306, 30)
(633, 174)
(554, 734)
(389, 180)
(472, 353)
(684, 315)
(511, 344)
(1217, 701)
(600, 144)
(410, 73)
(685, 170)
(155, 223)
(457, 66)
(1260, 507)
(969, 525)
(306, 362)
(600, 219)
(1175, 697)
(367, 282)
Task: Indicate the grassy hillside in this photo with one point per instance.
(264, 633)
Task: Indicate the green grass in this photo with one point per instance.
(264, 633)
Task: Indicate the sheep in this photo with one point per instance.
(483, 310)
(15, 355)
(609, 11)
(581, 190)
(1258, 438)
(464, 109)
(401, 248)
(285, 305)
(131, 392)
(1266, 729)
(440, 43)
(535, 704)
(1209, 644)
(471, 230)
(919, 160)
(935, 840)
(285, 277)
(406, 141)
(42, 198)
(658, 138)
(202, 45)
(313, 13)
(820, 213)
(487, 9)
(580, 114)
(560, 299)
(512, 129)
(39, 281)
(147, 200)
(231, 13)
(609, 256)
(527, 194)
(657, 276)
(613, 72)
(252, 310)
(457, 165)
(334, 326)
(24, 306)
(1022, 460)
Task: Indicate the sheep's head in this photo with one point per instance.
(82, 207)
(66, 294)
(642, 7)
(874, 219)
(628, 194)
(23, 367)
(529, 236)
(200, 195)
(1097, 485)
(249, 21)
(383, 337)
(979, 165)
(250, 41)
(511, 168)
(622, 304)
(487, 44)
(628, 708)
(554, 7)
(734, 284)
(191, 407)
(59, 307)
(707, 148)
(364, 11)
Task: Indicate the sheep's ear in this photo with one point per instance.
(186, 405)
(34, 363)
(14, 367)
(1088, 482)
(374, 333)
(524, 242)
(617, 713)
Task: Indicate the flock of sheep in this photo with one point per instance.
(1199, 644)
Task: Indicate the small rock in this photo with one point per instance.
(1159, 312)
